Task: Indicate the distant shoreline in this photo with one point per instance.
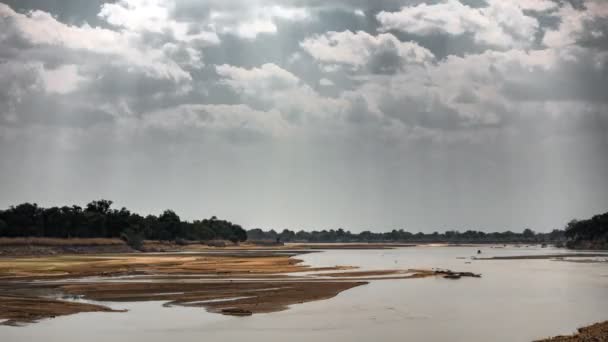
(12, 247)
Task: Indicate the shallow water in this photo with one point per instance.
(516, 300)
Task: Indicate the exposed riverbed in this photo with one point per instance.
(515, 300)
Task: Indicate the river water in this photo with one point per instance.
(515, 300)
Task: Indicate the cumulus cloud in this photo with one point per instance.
(39, 30)
(381, 53)
(256, 20)
(154, 16)
(274, 87)
(268, 77)
(579, 25)
(501, 23)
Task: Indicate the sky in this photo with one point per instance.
(310, 114)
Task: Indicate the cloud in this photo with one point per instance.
(236, 123)
(501, 24)
(326, 82)
(579, 25)
(256, 21)
(62, 80)
(154, 16)
(268, 77)
(243, 19)
(37, 31)
(271, 86)
(383, 53)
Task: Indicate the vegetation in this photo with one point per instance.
(588, 234)
(99, 220)
(452, 236)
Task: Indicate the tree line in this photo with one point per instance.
(99, 220)
(453, 236)
(589, 234)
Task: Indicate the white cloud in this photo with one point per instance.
(359, 48)
(325, 82)
(268, 77)
(252, 21)
(573, 22)
(280, 89)
(153, 16)
(40, 29)
(501, 23)
(536, 5)
(62, 80)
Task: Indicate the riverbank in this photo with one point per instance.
(15, 247)
(23, 247)
(18, 247)
(594, 333)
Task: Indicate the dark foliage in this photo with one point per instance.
(469, 236)
(98, 219)
(591, 233)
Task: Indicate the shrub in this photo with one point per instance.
(133, 238)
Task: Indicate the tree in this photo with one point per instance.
(3, 228)
(169, 225)
(528, 233)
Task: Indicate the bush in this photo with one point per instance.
(133, 238)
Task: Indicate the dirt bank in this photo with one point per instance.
(15, 310)
(11, 247)
(594, 333)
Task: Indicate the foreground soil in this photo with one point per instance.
(594, 333)
(230, 282)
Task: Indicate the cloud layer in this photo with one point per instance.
(403, 85)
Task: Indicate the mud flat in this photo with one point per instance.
(238, 283)
(594, 333)
(240, 298)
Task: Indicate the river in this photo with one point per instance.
(515, 300)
